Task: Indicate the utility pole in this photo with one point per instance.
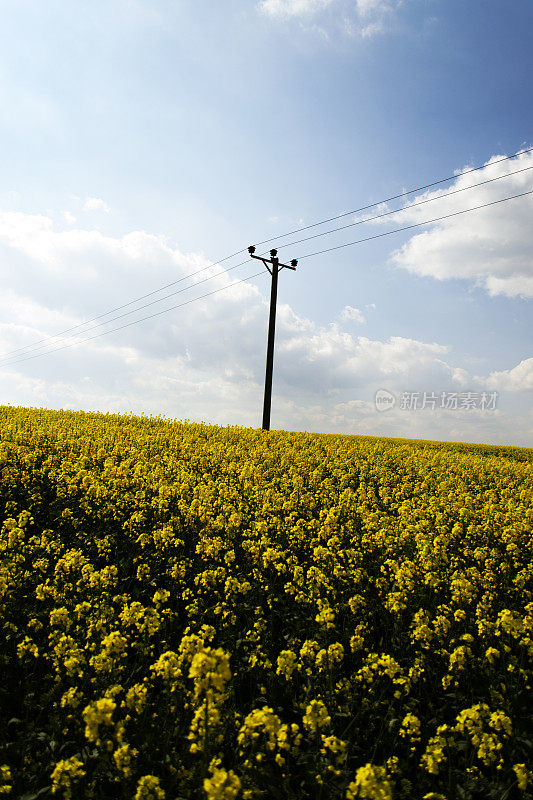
(276, 269)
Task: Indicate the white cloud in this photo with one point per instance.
(368, 7)
(491, 246)
(372, 15)
(518, 379)
(69, 218)
(325, 361)
(293, 8)
(205, 360)
(351, 313)
(364, 18)
(95, 204)
(360, 417)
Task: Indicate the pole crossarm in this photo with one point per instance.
(273, 261)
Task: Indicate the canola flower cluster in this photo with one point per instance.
(221, 613)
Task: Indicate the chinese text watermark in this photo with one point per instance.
(448, 401)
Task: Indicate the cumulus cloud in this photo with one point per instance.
(360, 417)
(327, 363)
(350, 313)
(96, 204)
(518, 379)
(490, 246)
(203, 360)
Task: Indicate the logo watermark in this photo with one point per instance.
(447, 401)
(384, 400)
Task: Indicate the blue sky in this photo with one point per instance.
(199, 128)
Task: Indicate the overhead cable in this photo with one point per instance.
(46, 340)
(415, 225)
(398, 196)
(405, 208)
(136, 321)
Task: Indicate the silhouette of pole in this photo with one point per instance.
(276, 269)
(267, 401)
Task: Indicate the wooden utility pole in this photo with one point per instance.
(276, 269)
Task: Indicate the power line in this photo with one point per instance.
(28, 348)
(43, 343)
(135, 321)
(38, 346)
(415, 225)
(131, 302)
(399, 210)
(250, 277)
(396, 196)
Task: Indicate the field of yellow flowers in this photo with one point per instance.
(205, 613)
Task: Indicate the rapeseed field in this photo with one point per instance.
(195, 612)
